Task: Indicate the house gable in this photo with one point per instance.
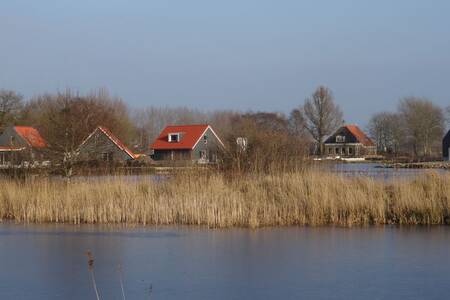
(101, 144)
(342, 135)
(209, 144)
(350, 134)
(10, 138)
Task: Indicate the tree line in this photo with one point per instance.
(66, 118)
(415, 129)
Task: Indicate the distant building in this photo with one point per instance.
(197, 143)
(103, 145)
(22, 145)
(349, 141)
(446, 146)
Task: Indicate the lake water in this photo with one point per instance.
(48, 262)
(375, 170)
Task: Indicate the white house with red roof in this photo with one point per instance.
(349, 141)
(103, 145)
(197, 143)
(21, 144)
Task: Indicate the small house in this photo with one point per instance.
(103, 145)
(196, 143)
(22, 144)
(446, 146)
(349, 141)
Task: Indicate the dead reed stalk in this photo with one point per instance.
(91, 271)
(215, 200)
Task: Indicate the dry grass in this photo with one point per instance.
(299, 198)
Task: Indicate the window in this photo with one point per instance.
(338, 151)
(205, 139)
(202, 154)
(340, 139)
(350, 151)
(12, 140)
(174, 137)
(107, 156)
(330, 150)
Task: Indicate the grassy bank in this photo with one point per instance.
(300, 198)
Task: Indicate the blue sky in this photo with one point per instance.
(241, 55)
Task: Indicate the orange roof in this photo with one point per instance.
(31, 136)
(190, 135)
(360, 135)
(117, 141)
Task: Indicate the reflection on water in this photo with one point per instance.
(48, 262)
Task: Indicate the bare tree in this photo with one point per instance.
(297, 123)
(387, 129)
(66, 119)
(10, 105)
(322, 115)
(424, 125)
(447, 114)
(268, 146)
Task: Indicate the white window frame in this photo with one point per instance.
(171, 135)
(340, 139)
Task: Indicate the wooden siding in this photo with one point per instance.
(10, 138)
(208, 148)
(179, 154)
(100, 148)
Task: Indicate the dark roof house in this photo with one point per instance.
(197, 143)
(446, 146)
(349, 141)
(103, 145)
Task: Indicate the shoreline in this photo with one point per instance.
(441, 165)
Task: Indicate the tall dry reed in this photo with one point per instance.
(215, 200)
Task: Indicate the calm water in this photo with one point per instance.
(48, 262)
(375, 170)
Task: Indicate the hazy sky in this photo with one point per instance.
(233, 54)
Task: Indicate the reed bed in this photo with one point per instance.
(216, 200)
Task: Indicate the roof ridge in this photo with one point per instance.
(118, 142)
(187, 125)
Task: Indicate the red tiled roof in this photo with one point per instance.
(360, 135)
(117, 141)
(190, 135)
(31, 136)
